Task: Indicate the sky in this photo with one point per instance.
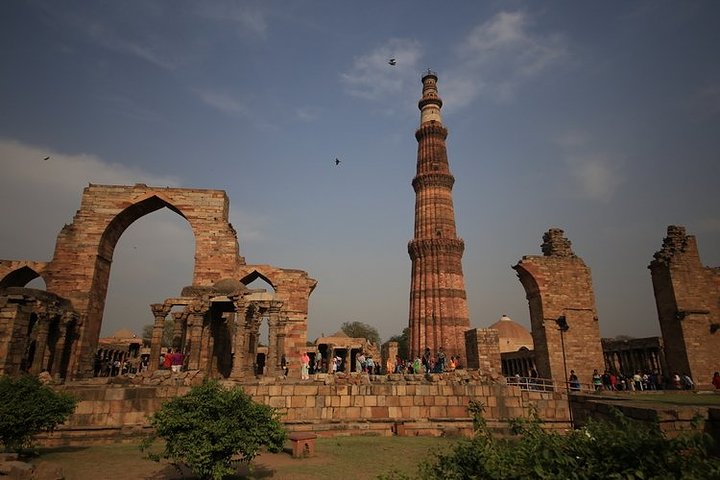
(600, 118)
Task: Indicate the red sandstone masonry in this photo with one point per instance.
(107, 413)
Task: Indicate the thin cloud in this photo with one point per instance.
(38, 196)
(596, 175)
(372, 78)
(249, 19)
(705, 102)
(500, 55)
(223, 101)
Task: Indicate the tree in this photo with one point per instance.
(28, 407)
(210, 425)
(167, 336)
(403, 342)
(361, 330)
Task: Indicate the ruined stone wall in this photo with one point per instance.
(14, 320)
(559, 284)
(292, 288)
(672, 420)
(687, 296)
(483, 351)
(329, 405)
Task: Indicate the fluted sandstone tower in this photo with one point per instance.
(438, 306)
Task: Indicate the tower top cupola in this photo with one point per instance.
(430, 103)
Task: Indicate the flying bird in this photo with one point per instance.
(392, 62)
(46, 158)
(337, 162)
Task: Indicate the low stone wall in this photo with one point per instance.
(671, 419)
(326, 405)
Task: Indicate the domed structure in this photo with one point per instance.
(512, 335)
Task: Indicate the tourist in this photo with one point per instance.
(360, 365)
(417, 365)
(176, 361)
(574, 381)
(676, 381)
(370, 365)
(305, 366)
(613, 381)
(688, 384)
(284, 365)
(167, 360)
(637, 382)
(426, 360)
(440, 360)
(716, 380)
(597, 380)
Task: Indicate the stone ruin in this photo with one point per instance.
(58, 330)
(564, 321)
(687, 296)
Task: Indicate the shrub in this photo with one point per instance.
(617, 449)
(28, 407)
(212, 426)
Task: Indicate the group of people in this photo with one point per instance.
(426, 363)
(172, 360)
(635, 382)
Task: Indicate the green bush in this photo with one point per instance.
(211, 427)
(28, 407)
(618, 449)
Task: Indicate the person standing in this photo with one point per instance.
(716, 380)
(305, 366)
(176, 360)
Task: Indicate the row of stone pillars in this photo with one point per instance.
(52, 346)
(196, 334)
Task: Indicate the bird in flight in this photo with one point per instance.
(337, 162)
(392, 62)
(46, 158)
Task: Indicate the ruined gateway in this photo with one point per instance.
(57, 331)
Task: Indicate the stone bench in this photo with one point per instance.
(303, 444)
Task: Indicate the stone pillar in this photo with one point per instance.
(483, 350)
(196, 316)
(179, 319)
(686, 297)
(40, 343)
(160, 311)
(238, 340)
(60, 345)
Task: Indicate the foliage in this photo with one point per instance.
(167, 336)
(361, 330)
(28, 407)
(212, 426)
(403, 341)
(617, 449)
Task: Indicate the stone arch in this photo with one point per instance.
(19, 274)
(84, 250)
(255, 274)
(563, 317)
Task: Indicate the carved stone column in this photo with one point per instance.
(196, 314)
(276, 340)
(60, 345)
(40, 342)
(239, 345)
(160, 311)
(179, 320)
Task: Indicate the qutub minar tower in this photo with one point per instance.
(438, 305)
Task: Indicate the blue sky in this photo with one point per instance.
(600, 118)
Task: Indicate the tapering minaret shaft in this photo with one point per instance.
(438, 306)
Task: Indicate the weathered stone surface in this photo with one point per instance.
(80, 269)
(438, 306)
(687, 296)
(559, 290)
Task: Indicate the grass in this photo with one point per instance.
(356, 457)
(677, 398)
